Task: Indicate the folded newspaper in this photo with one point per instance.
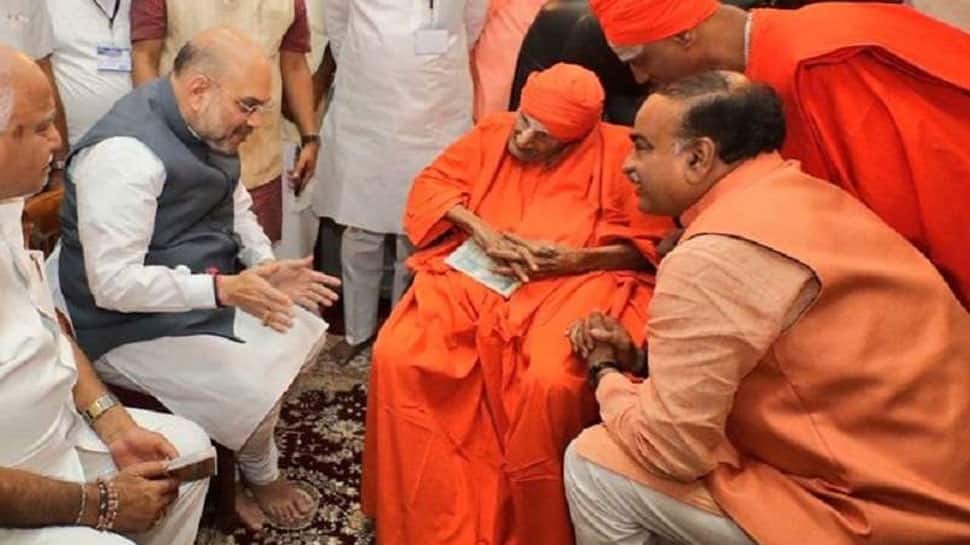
(471, 260)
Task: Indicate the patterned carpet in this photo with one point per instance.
(320, 437)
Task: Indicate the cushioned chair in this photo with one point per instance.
(42, 220)
(42, 228)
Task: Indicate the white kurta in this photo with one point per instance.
(41, 430)
(225, 386)
(25, 25)
(79, 28)
(393, 110)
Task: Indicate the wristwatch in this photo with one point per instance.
(309, 139)
(100, 406)
(593, 376)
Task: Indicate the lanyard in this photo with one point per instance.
(113, 16)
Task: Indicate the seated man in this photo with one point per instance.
(58, 472)
(809, 367)
(154, 223)
(473, 396)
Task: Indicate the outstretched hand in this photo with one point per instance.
(251, 292)
(296, 278)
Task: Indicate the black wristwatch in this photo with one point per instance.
(593, 376)
(309, 139)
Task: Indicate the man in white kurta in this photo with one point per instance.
(91, 58)
(232, 386)
(49, 457)
(403, 92)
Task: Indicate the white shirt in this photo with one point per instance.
(25, 25)
(37, 368)
(400, 105)
(118, 182)
(80, 26)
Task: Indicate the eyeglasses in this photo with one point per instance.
(247, 106)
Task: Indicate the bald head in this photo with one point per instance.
(223, 82)
(21, 80)
(220, 52)
(28, 137)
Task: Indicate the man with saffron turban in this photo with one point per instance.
(474, 396)
(877, 98)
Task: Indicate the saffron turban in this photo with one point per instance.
(634, 22)
(567, 99)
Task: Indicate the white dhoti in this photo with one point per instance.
(226, 387)
(90, 459)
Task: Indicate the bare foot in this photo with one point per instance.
(249, 512)
(282, 501)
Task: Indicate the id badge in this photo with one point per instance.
(113, 58)
(431, 41)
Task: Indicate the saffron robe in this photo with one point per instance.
(879, 105)
(473, 398)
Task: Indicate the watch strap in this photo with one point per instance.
(593, 376)
(99, 406)
(309, 139)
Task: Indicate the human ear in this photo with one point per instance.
(197, 87)
(686, 39)
(700, 160)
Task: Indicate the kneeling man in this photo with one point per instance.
(64, 480)
(809, 367)
(475, 396)
(155, 224)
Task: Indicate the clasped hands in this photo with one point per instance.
(599, 337)
(269, 291)
(526, 259)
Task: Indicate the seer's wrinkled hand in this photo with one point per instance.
(510, 259)
(251, 292)
(297, 279)
(542, 259)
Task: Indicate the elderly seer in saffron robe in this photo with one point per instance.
(877, 98)
(474, 397)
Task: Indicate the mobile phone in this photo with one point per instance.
(195, 466)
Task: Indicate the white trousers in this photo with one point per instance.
(179, 527)
(362, 267)
(609, 509)
(231, 389)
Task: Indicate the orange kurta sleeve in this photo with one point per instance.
(444, 184)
